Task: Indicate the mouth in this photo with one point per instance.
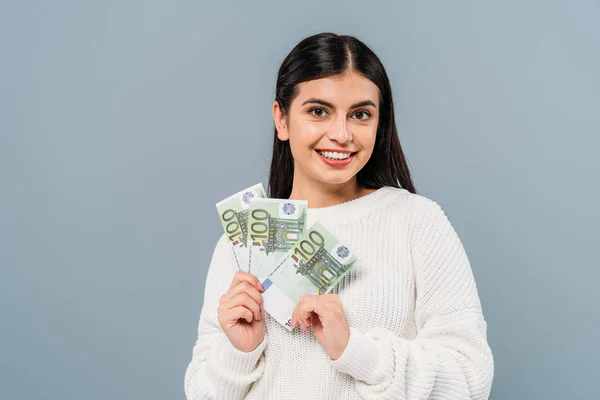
(336, 159)
(335, 155)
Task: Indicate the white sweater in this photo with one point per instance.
(416, 325)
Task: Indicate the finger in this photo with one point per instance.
(315, 321)
(305, 319)
(236, 313)
(243, 287)
(322, 305)
(296, 317)
(245, 300)
(332, 299)
(299, 313)
(301, 321)
(303, 313)
(241, 276)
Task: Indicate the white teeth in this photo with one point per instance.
(335, 155)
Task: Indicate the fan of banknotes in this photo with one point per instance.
(271, 241)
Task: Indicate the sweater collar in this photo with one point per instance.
(348, 211)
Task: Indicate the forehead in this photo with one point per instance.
(340, 90)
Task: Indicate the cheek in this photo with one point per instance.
(304, 136)
(300, 146)
(367, 140)
(314, 131)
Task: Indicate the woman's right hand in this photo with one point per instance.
(240, 312)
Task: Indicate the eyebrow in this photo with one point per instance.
(328, 104)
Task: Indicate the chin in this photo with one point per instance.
(336, 179)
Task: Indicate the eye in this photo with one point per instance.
(315, 109)
(368, 115)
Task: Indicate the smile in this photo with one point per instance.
(334, 155)
(336, 159)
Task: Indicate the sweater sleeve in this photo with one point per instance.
(217, 369)
(450, 357)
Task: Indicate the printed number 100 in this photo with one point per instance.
(258, 228)
(232, 227)
(307, 247)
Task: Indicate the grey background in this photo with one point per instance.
(122, 123)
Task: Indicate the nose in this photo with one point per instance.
(340, 131)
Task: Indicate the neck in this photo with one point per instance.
(321, 194)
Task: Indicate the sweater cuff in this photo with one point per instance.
(236, 364)
(361, 357)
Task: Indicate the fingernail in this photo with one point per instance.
(260, 286)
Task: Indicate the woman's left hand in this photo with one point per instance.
(326, 315)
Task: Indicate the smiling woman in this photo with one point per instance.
(334, 101)
(332, 142)
(406, 322)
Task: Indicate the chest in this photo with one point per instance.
(379, 291)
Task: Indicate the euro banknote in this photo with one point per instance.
(274, 226)
(314, 265)
(233, 213)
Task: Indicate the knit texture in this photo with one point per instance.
(417, 329)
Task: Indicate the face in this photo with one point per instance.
(331, 126)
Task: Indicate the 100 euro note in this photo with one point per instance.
(274, 226)
(233, 213)
(314, 265)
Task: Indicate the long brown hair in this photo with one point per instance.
(324, 55)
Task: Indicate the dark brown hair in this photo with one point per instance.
(324, 55)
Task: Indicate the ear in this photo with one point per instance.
(280, 122)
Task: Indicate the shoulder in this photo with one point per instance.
(425, 205)
(420, 213)
(221, 244)
(413, 203)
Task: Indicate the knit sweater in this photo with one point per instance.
(417, 329)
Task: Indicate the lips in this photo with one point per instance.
(339, 159)
(335, 154)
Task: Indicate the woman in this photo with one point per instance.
(406, 322)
